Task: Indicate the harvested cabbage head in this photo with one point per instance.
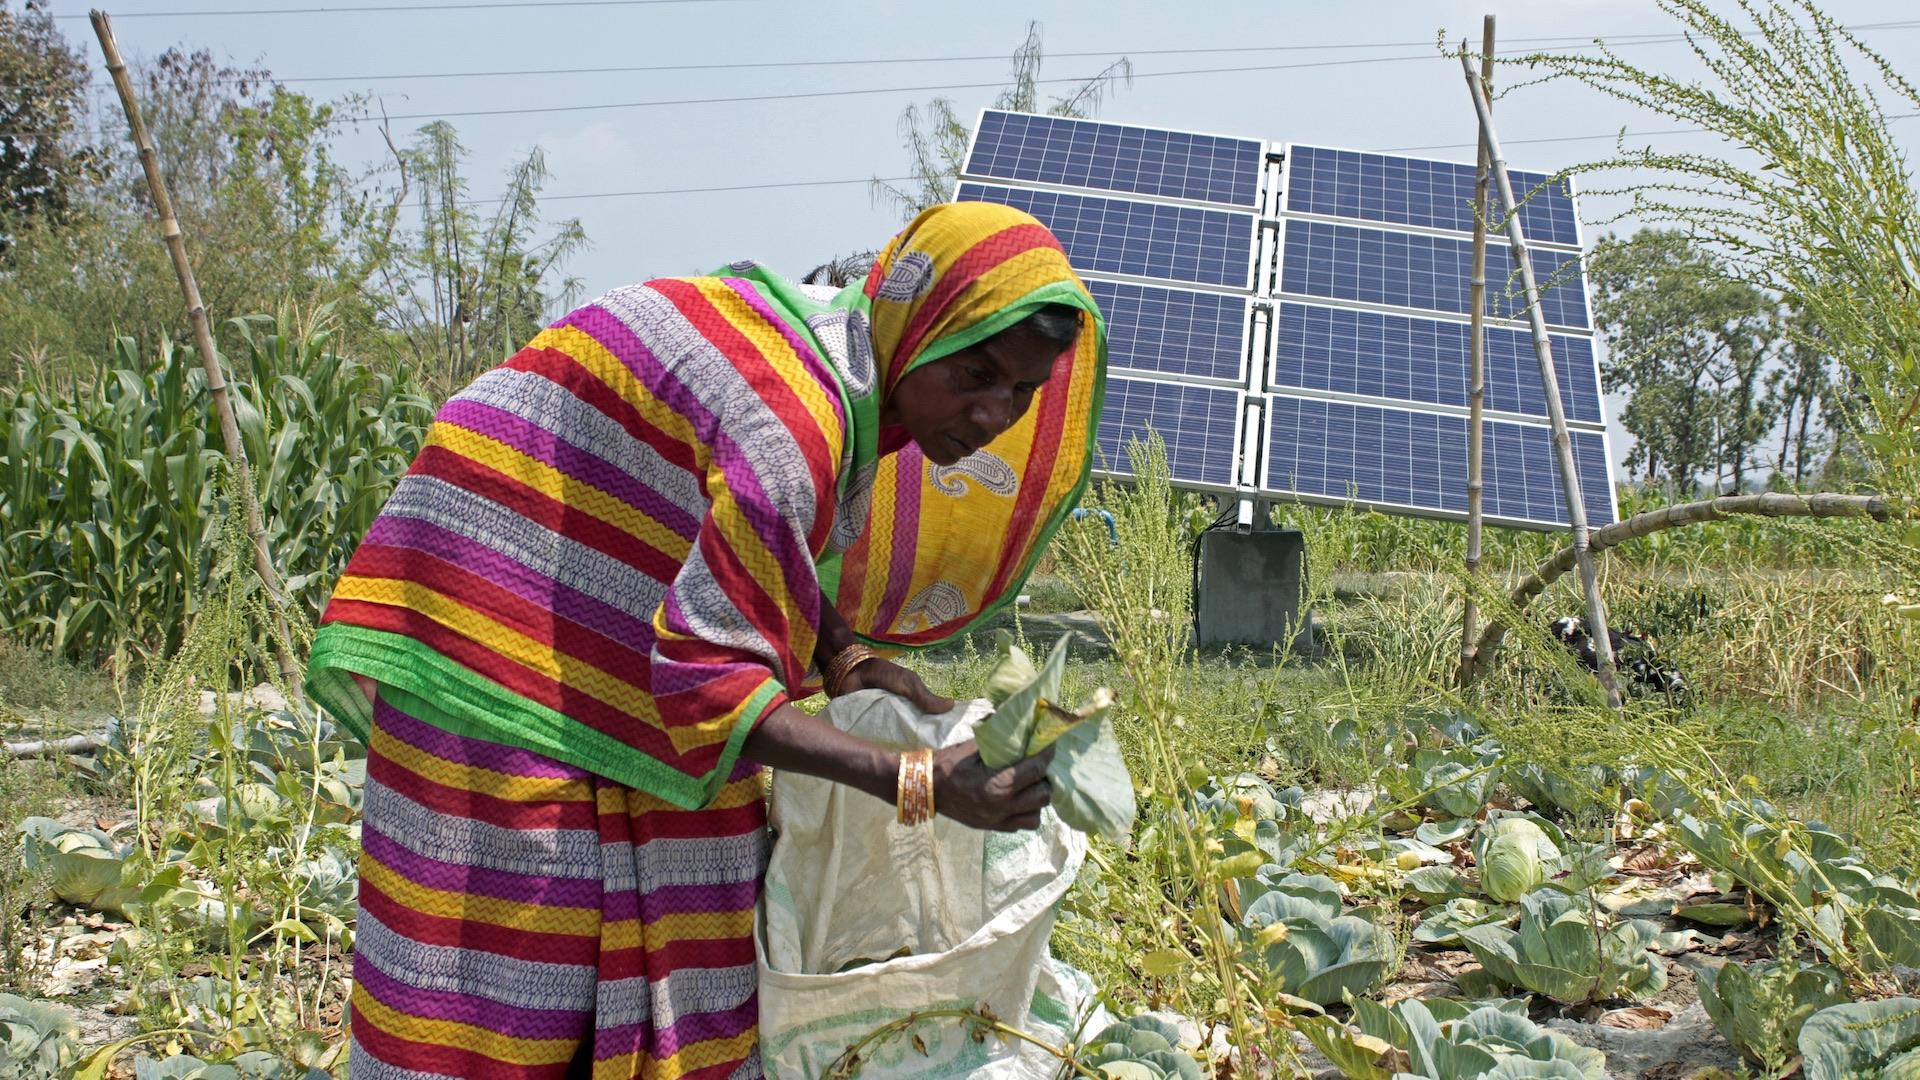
(1013, 671)
(1092, 790)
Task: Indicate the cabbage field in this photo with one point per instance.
(1338, 859)
(1341, 863)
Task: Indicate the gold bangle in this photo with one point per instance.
(842, 665)
(915, 798)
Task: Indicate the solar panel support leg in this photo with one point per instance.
(1543, 351)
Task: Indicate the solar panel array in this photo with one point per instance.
(1302, 331)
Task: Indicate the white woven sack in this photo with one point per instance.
(862, 921)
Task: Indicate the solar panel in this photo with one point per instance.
(1388, 458)
(1121, 236)
(1180, 332)
(1116, 157)
(1425, 361)
(1365, 374)
(1199, 424)
(1416, 270)
(1416, 191)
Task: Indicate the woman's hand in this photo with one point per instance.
(1002, 800)
(879, 674)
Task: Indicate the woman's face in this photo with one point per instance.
(963, 401)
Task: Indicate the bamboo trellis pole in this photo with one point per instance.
(1556, 415)
(1477, 369)
(176, 243)
(1772, 504)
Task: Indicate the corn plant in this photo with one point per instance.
(111, 497)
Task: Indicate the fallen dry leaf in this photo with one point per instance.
(1637, 1018)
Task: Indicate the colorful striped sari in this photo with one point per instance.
(608, 564)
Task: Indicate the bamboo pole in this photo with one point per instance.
(1771, 504)
(73, 744)
(1476, 367)
(1543, 351)
(203, 343)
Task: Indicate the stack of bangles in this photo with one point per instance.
(916, 787)
(833, 679)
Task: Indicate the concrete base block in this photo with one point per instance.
(1252, 585)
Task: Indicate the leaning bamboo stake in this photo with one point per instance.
(1543, 352)
(203, 343)
(1476, 366)
(1772, 504)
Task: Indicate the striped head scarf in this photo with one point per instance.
(945, 546)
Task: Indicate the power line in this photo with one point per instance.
(816, 94)
(1584, 138)
(361, 9)
(744, 65)
(898, 179)
(1624, 39)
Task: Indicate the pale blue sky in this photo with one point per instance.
(1417, 101)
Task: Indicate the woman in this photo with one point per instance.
(572, 637)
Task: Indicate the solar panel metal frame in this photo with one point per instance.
(1255, 385)
(1277, 296)
(1247, 290)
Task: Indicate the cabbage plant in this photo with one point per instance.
(84, 867)
(1442, 923)
(1297, 936)
(1513, 853)
(1140, 1048)
(1761, 1007)
(1568, 953)
(38, 1040)
(1449, 1040)
(1875, 1040)
(1572, 792)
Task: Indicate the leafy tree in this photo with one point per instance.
(43, 84)
(256, 192)
(1691, 346)
(462, 290)
(1803, 392)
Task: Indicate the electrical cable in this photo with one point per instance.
(1193, 602)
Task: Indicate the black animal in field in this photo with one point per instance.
(1634, 656)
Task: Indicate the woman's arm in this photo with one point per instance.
(964, 788)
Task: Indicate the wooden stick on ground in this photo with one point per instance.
(73, 744)
(203, 343)
(1772, 504)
